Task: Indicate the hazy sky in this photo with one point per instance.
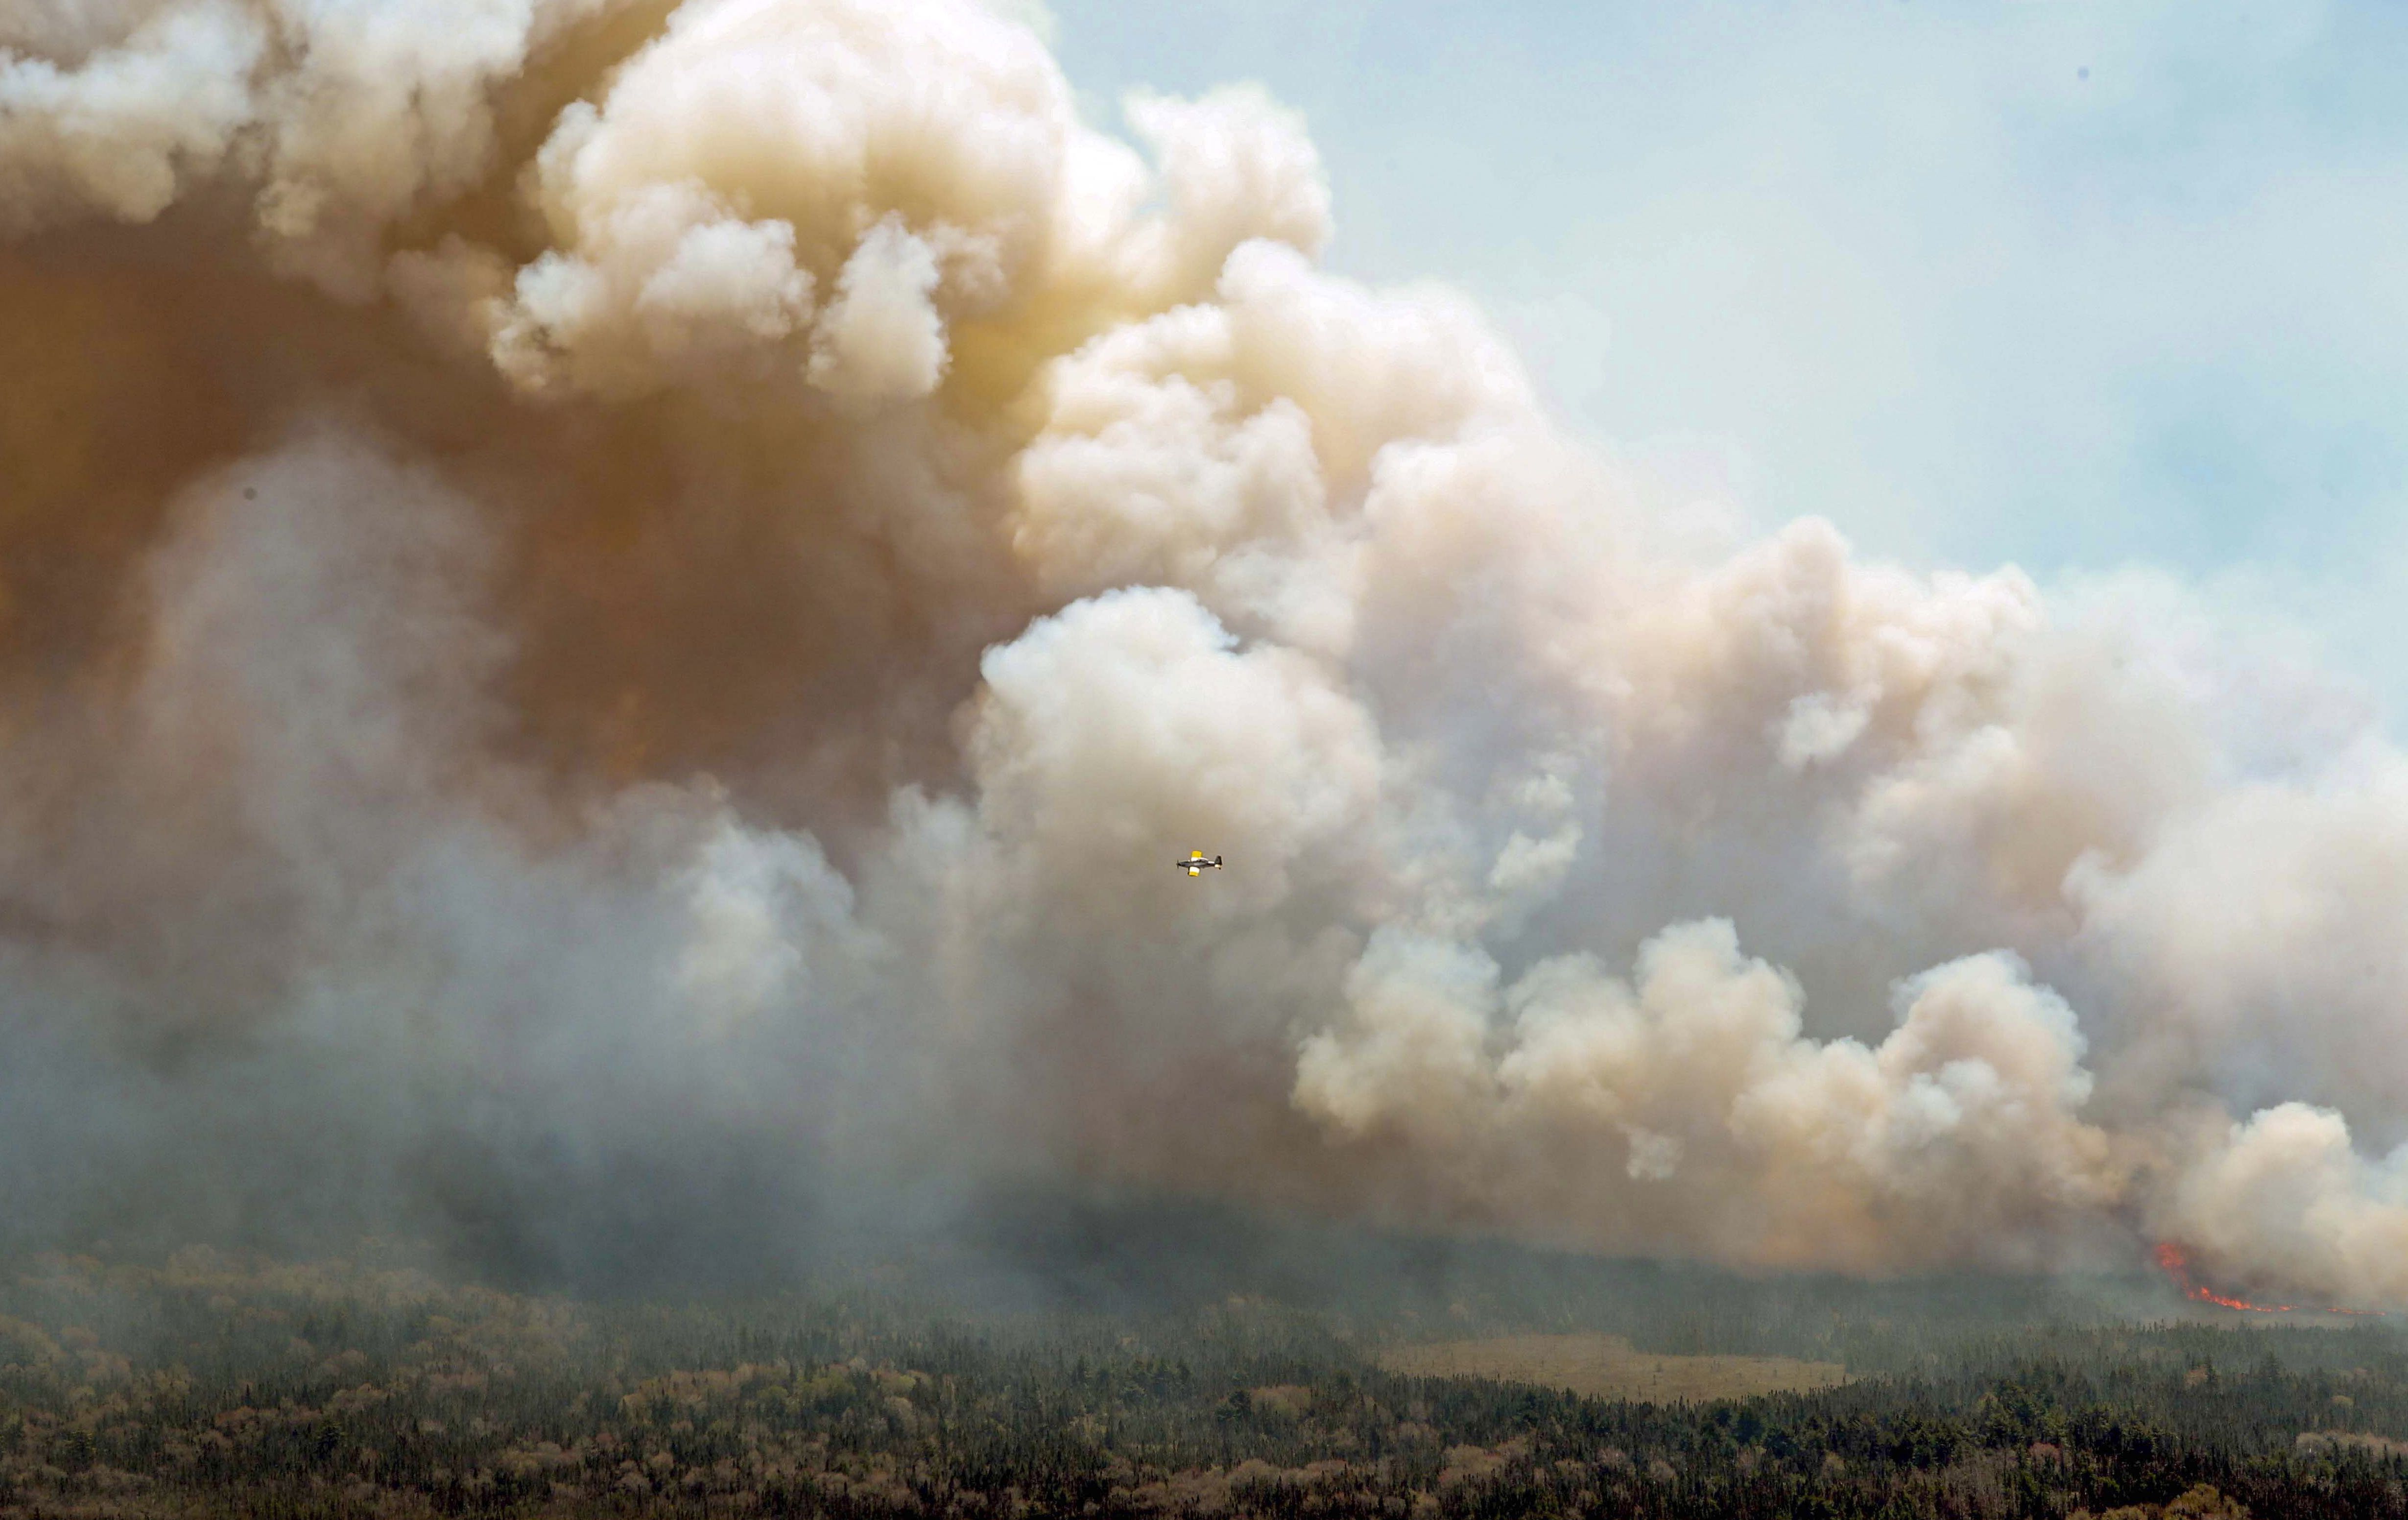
(2079, 286)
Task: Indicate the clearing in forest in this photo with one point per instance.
(1606, 1367)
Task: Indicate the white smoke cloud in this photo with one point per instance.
(2285, 1198)
(1235, 167)
(793, 532)
(118, 133)
(881, 340)
(1688, 1112)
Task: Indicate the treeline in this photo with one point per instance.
(211, 1385)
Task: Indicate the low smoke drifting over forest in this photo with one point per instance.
(611, 615)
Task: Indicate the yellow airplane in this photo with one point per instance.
(1196, 865)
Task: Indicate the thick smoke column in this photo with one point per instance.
(612, 613)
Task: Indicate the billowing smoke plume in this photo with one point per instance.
(612, 614)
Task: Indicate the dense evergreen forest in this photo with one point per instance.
(202, 1384)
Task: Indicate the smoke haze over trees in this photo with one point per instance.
(251, 1388)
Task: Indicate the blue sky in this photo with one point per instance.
(2077, 286)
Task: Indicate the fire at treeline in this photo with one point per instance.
(204, 1384)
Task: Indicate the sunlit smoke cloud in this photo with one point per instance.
(613, 616)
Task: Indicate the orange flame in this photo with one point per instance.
(2175, 1262)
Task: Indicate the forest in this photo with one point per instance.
(211, 1383)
